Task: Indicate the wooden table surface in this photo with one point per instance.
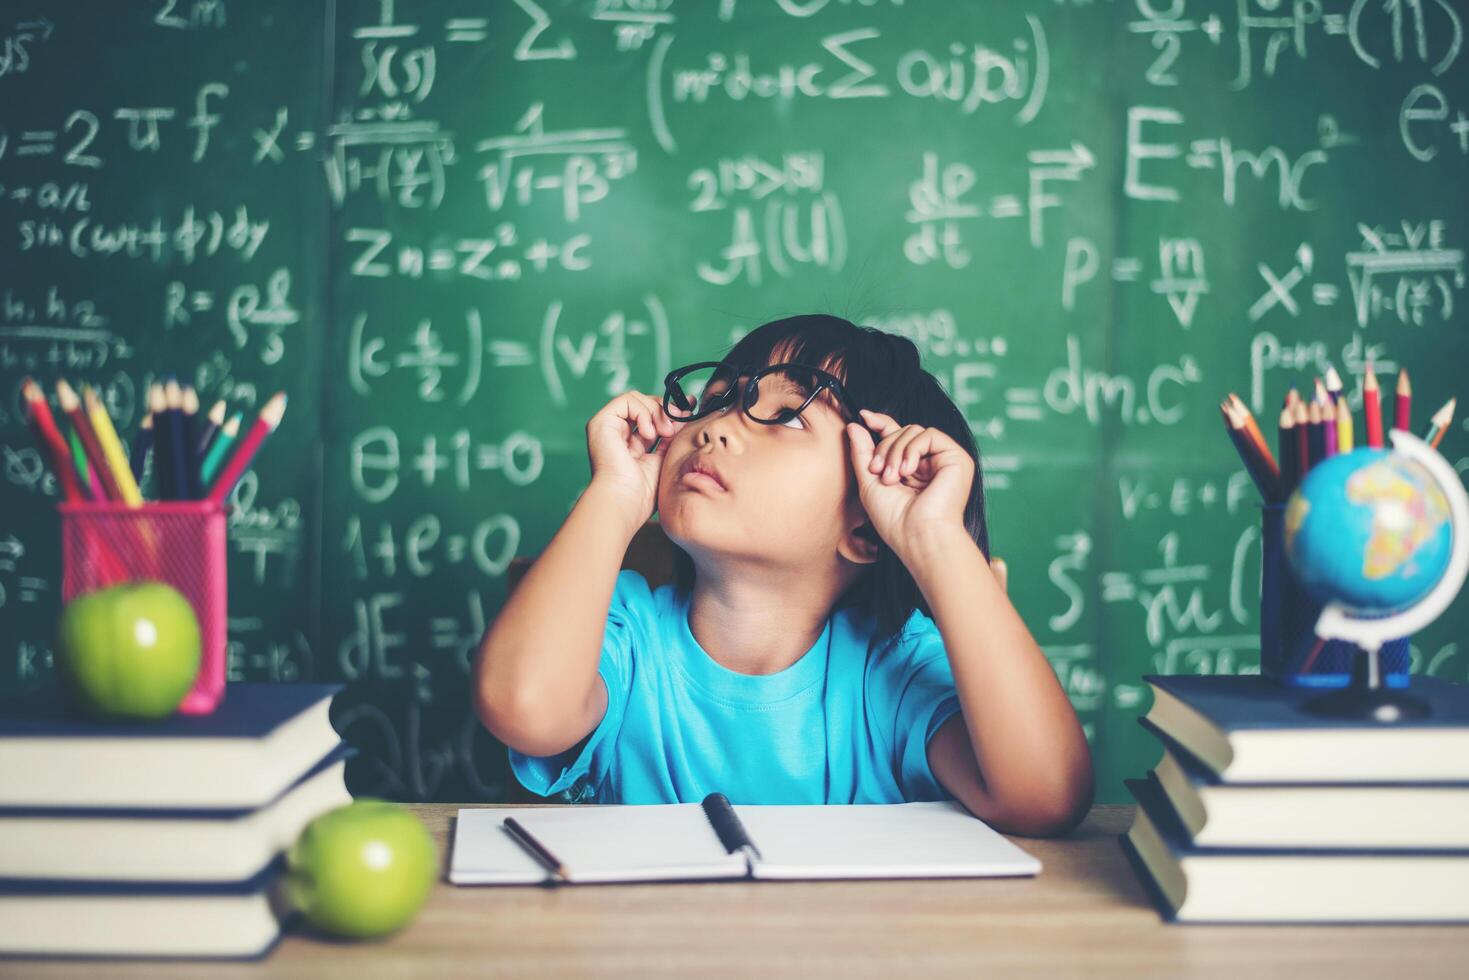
(1084, 915)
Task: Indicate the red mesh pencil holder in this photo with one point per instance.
(181, 543)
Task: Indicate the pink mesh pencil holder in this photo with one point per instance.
(181, 543)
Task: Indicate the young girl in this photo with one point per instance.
(835, 633)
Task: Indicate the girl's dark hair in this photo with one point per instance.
(880, 372)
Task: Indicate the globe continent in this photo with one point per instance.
(1370, 530)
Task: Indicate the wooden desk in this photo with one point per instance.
(1084, 915)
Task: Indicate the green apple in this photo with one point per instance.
(129, 651)
(363, 869)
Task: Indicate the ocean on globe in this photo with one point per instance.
(1368, 529)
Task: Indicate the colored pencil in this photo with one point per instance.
(84, 472)
(1317, 432)
(1289, 468)
(1301, 414)
(1345, 436)
(163, 475)
(142, 441)
(97, 550)
(48, 436)
(265, 423)
(1328, 428)
(1249, 451)
(190, 405)
(1403, 403)
(1320, 393)
(72, 406)
(192, 423)
(1372, 407)
(1252, 429)
(113, 457)
(1439, 424)
(207, 431)
(173, 418)
(220, 447)
(1244, 446)
(1333, 384)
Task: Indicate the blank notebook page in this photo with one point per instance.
(894, 840)
(631, 843)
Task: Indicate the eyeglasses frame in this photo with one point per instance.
(825, 381)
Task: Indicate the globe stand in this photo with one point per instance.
(1367, 699)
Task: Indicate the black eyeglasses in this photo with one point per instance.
(695, 390)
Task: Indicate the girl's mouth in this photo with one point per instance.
(699, 472)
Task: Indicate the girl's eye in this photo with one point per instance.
(800, 421)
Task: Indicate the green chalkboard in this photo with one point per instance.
(151, 227)
(452, 232)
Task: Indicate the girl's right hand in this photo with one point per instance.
(620, 440)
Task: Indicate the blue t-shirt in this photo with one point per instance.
(837, 726)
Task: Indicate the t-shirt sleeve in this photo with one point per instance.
(583, 767)
(912, 694)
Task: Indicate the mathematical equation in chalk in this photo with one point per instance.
(1404, 273)
(448, 361)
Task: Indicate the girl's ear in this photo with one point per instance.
(862, 544)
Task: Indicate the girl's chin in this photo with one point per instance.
(686, 527)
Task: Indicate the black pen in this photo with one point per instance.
(727, 826)
(537, 850)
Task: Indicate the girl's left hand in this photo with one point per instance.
(922, 481)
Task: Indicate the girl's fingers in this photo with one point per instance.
(892, 446)
(641, 421)
(648, 418)
(893, 459)
(914, 452)
(642, 426)
(664, 424)
(884, 424)
(670, 425)
(880, 455)
(862, 446)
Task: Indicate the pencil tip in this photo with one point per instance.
(274, 409)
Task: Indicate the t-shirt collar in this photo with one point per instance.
(719, 680)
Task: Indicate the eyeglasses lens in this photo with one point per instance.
(703, 389)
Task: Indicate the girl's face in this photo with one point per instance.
(782, 495)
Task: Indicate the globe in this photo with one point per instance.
(1382, 539)
(1370, 530)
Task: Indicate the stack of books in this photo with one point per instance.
(1260, 812)
(159, 839)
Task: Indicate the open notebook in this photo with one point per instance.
(714, 839)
